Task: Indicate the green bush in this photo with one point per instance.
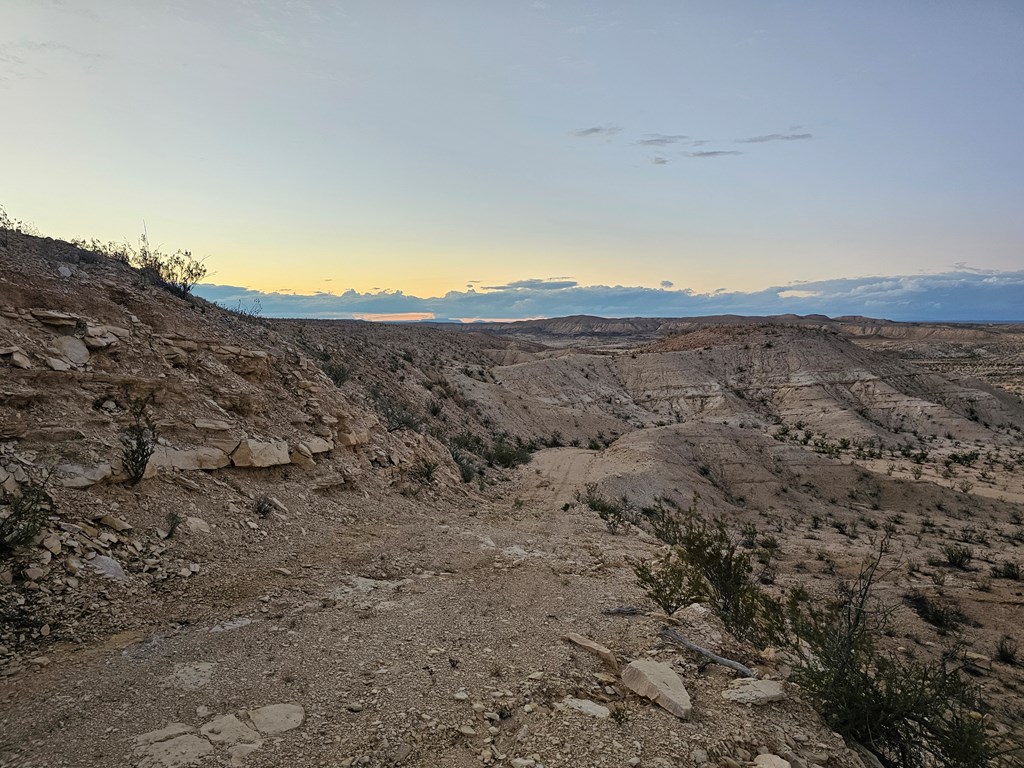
(707, 565)
(25, 514)
(138, 442)
(958, 555)
(907, 712)
(614, 513)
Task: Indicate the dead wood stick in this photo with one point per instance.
(672, 636)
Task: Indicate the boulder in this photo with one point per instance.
(352, 439)
(317, 445)
(771, 761)
(659, 683)
(71, 349)
(258, 453)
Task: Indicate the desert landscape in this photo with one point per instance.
(237, 541)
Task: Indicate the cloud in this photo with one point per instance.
(776, 137)
(535, 284)
(962, 295)
(659, 160)
(667, 284)
(660, 140)
(714, 153)
(597, 130)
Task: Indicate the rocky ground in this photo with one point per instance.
(328, 564)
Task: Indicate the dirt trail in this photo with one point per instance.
(558, 473)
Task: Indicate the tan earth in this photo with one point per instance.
(303, 577)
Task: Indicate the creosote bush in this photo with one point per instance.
(705, 564)
(908, 712)
(23, 514)
(138, 441)
(614, 513)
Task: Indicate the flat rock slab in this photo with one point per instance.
(748, 691)
(190, 677)
(659, 683)
(178, 752)
(587, 707)
(277, 718)
(230, 730)
(771, 761)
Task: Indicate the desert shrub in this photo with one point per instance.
(907, 712)
(1006, 650)
(665, 581)
(709, 566)
(1007, 570)
(464, 460)
(397, 415)
(957, 555)
(614, 513)
(174, 521)
(423, 471)
(138, 442)
(178, 272)
(263, 506)
(24, 516)
(336, 372)
(504, 453)
(941, 614)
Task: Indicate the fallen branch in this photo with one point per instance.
(672, 636)
(623, 610)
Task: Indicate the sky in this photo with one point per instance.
(471, 159)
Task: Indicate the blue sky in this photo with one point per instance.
(426, 148)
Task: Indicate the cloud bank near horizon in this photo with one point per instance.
(962, 295)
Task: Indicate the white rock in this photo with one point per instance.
(659, 683)
(750, 691)
(771, 761)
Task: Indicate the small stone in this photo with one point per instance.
(52, 543)
(354, 706)
(33, 574)
(116, 523)
(197, 525)
(771, 761)
(587, 707)
(596, 648)
(467, 730)
(461, 696)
